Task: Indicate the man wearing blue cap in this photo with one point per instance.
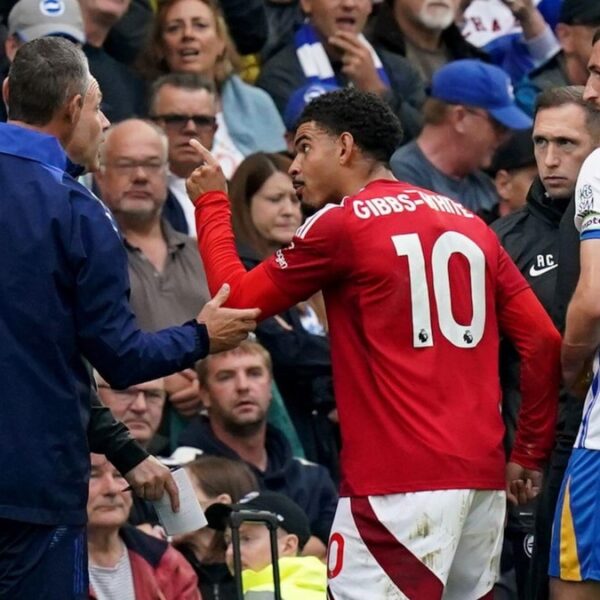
(468, 115)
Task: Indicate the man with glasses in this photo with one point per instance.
(184, 106)
(468, 115)
(168, 284)
(139, 407)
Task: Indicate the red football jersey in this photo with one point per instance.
(414, 285)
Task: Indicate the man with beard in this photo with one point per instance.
(424, 32)
(236, 391)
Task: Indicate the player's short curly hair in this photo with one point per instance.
(375, 128)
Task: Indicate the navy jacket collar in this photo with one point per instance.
(32, 144)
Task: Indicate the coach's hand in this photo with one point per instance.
(208, 177)
(150, 480)
(522, 485)
(227, 327)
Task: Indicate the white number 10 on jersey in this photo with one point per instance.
(449, 243)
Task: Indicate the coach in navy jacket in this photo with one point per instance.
(63, 294)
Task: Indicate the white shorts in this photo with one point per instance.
(417, 546)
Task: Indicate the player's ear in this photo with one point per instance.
(346, 146)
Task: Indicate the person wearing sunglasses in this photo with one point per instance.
(184, 105)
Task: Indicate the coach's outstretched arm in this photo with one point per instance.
(107, 332)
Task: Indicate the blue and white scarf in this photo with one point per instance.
(315, 62)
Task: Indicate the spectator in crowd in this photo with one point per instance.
(190, 36)
(32, 19)
(76, 302)
(513, 169)
(574, 549)
(578, 21)
(516, 36)
(236, 390)
(140, 408)
(330, 48)
(424, 32)
(388, 358)
(467, 117)
(185, 106)
(122, 88)
(167, 280)
(566, 130)
(215, 479)
(246, 21)
(166, 274)
(266, 214)
(124, 562)
(302, 577)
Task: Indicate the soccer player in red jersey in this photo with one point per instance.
(418, 292)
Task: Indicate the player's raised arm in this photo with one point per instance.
(207, 188)
(525, 322)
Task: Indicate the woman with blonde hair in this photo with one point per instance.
(191, 36)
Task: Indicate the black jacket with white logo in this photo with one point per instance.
(530, 236)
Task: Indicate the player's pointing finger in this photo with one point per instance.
(205, 154)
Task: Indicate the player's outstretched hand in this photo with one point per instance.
(208, 177)
(227, 327)
(522, 485)
(150, 479)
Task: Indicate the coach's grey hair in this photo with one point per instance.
(45, 74)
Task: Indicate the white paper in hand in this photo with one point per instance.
(190, 516)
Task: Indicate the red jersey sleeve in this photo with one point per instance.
(291, 275)
(314, 259)
(524, 321)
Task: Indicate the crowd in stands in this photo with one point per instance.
(474, 83)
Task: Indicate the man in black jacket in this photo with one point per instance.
(236, 389)
(566, 130)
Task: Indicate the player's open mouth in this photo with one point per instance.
(298, 188)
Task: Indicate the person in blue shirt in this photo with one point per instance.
(64, 296)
